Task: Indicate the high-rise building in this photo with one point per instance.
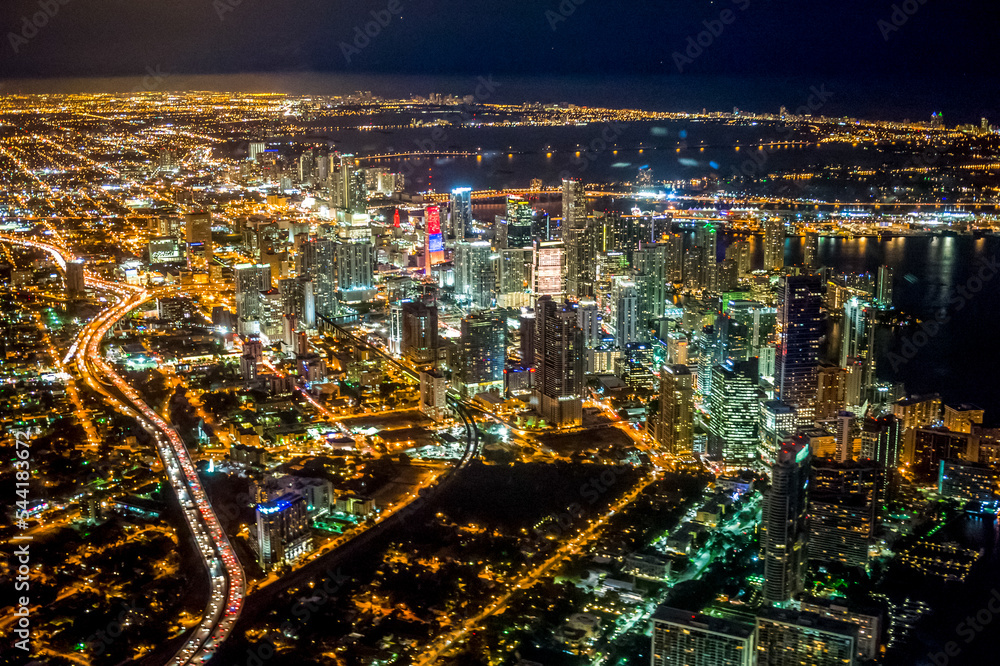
(706, 243)
(589, 321)
(514, 277)
(788, 638)
(624, 312)
(800, 329)
(298, 299)
(774, 244)
(709, 355)
(868, 620)
(251, 281)
(319, 263)
(843, 510)
(883, 288)
(520, 217)
(420, 333)
(433, 394)
(483, 353)
(918, 410)
(352, 192)
(166, 251)
(559, 363)
(960, 418)
(76, 282)
(475, 273)
(831, 392)
(848, 441)
(675, 422)
(355, 272)
(461, 213)
(527, 329)
(785, 521)
(549, 273)
(650, 263)
(970, 481)
(683, 638)
(434, 247)
(810, 250)
(283, 533)
(578, 241)
(272, 315)
(858, 341)
(881, 440)
(198, 227)
(255, 149)
(733, 423)
(778, 422)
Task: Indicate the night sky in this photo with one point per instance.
(940, 43)
(117, 37)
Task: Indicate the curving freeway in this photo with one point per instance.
(228, 585)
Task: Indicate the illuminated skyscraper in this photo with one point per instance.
(319, 263)
(774, 244)
(520, 217)
(787, 638)
(483, 353)
(683, 638)
(675, 258)
(76, 283)
(353, 196)
(297, 299)
(559, 363)
(435, 239)
(549, 274)
(578, 240)
(650, 264)
(843, 500)
(251, 281)
(705, 238)
(785, 520)
(625, 312)
(514, 281)
(461, 213)
(420, 333)
(810, 249)
(778, 422)
(800, 328)
(283, 533)
(675, 423)
(355, 272)
(733, 424)
(476, 273)
(881, 440)
(831, 392)
(883, 288)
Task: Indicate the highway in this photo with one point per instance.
(228, 584)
